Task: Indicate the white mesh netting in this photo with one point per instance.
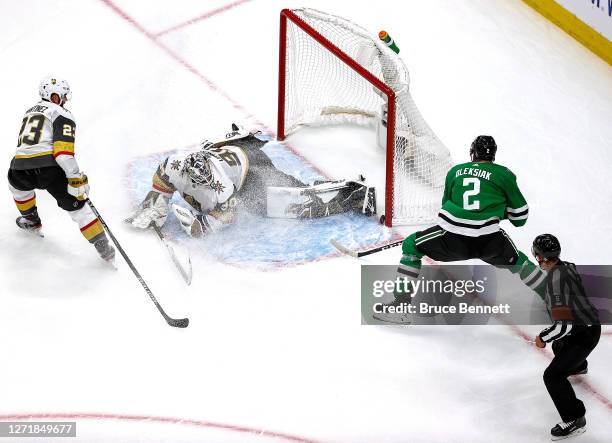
(321, 89)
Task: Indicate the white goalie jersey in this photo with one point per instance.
(214, 202)
(229, 167)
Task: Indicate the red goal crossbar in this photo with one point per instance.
(287, 14)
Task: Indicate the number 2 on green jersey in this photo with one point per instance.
(474, 183)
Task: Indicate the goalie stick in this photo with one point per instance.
(184, 268)
(358, 254)
(175, 322)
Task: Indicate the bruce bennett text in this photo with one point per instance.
(426, 308)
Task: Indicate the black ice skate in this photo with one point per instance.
(568, 429)
(30, 223)
(106, 250)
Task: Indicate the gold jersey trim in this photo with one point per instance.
(63, 147)
(38, 154)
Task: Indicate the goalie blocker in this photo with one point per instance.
(236, 174)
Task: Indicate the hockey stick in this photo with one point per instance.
(358, 254)
(186, 271)
(175, 322)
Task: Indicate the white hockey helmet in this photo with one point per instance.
(54, 85)
(197, 167)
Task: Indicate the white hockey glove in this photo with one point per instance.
(196, 226)
(154, 209)
(78, 186)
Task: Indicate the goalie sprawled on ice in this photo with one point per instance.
(236, 174)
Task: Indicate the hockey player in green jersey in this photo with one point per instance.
(477, 196)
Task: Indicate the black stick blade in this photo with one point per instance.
(178, 322)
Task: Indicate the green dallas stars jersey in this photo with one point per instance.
(477, 196)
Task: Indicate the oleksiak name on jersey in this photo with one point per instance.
(477, 195)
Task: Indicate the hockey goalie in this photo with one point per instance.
(234, 174)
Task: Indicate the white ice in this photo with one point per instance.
(284, 350)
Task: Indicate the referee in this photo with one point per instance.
(574, 334)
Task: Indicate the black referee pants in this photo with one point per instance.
(571, 353)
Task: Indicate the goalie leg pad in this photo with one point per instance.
(321, 200)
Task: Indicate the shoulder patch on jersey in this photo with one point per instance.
(217, 187)
(175, 164)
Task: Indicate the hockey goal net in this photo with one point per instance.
(332, 71)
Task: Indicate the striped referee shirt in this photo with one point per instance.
(567, 303)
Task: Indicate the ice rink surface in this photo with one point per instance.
(279, 354)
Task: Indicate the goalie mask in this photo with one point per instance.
(197, 167)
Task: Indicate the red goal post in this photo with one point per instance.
(306, 70)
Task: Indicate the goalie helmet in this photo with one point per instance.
(197, 167)
(54, 85)
(547, 246)
(483, 148)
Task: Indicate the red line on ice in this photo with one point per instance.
(530, 340)
(199, 18)
(185, 64)
(124, 15)
(156, 419)
(579, 380)
(152, 37)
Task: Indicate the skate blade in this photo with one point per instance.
(573, 434)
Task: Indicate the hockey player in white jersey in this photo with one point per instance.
(235, 174)
(44, 159)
